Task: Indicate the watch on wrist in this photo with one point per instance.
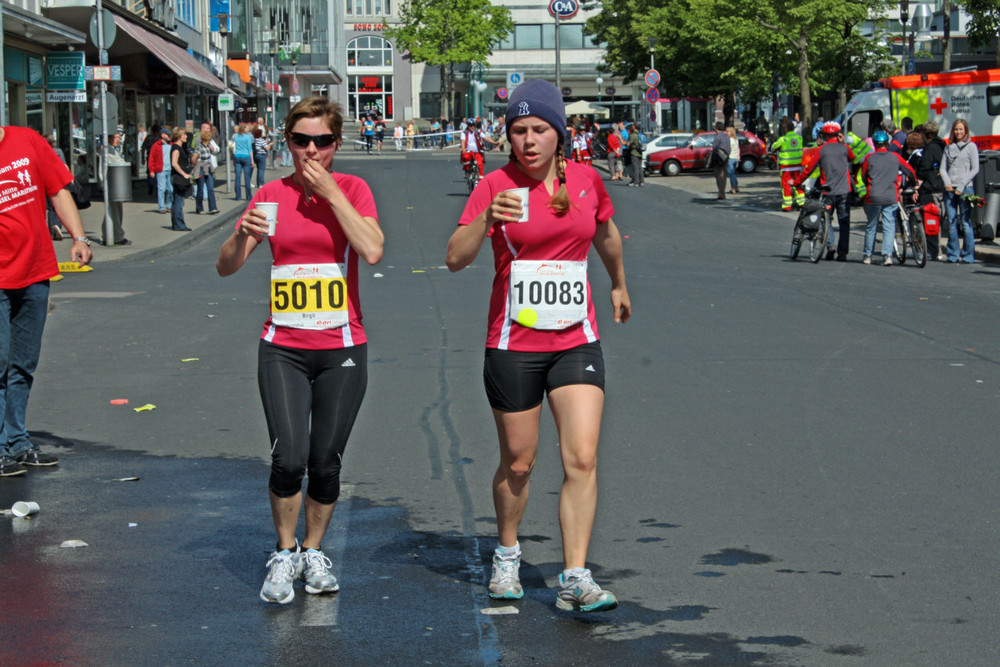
(82, 239)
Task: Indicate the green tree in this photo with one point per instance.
(984, 24)
(445, 33)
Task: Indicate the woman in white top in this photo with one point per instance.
(734, 160)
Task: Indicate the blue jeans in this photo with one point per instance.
(731, 170)
(163, 189)
(206, 190)
(888, 215)
(243, 167)
(959, 213)
(177, 212)
(260, 160)
(22, 319)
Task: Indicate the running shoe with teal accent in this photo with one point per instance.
(581, 593)
(284, 567)
(505, 584)
(316, 573)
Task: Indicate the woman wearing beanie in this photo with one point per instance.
(542, 335)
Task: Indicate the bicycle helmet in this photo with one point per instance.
(831, 127)
(880, 138)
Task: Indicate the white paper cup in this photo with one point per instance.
(270, 209)
(24, 508)
(523, 194)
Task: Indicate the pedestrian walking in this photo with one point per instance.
(635, 157)
(734, 160)
(931, 183)
(720, 158)
(536, 346)
(312, 357)
(880, 171)
(261, 147)
(614, 153)
(789, 149)
(206, 165)
(958, 171)
(180, 178)
(27, 263)
(834, 161)
(159, 168)
(243, 158)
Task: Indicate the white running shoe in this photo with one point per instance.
(316, 573)
(581, 593)
(504, 583)
(284, 566)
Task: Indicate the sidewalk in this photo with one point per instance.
(761, 191)
(149, 231)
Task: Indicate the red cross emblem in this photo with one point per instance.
(939, 106)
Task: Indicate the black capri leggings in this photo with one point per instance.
(299, 388)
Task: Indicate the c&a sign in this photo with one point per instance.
(564, 9)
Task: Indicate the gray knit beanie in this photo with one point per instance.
(536, 97)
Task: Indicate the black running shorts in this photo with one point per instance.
(517, 381)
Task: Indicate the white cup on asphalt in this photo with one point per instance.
(522, 193)
(270, 209)
(24, 508)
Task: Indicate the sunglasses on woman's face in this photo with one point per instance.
(303, 140)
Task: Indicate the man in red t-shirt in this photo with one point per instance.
(29, 172)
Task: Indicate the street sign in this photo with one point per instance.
(110, 29)
(563, 9)
(66, 96)
(502, 93)
(294, 99)
(295, 86)
(652, 95)
(64, 71)
(227, 102)
(514, 78)
(102, 73)
(652, 78)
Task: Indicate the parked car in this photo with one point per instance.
(663, 142)
(672, 161)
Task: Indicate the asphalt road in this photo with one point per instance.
(797, 465)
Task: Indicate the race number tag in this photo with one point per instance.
(548, 294)
(309, 296)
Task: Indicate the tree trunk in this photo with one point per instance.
(841, 99)
(946, 38)
(804, 82)
(443, 92)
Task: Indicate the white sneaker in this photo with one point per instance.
(316, 573)
(581, 593)
(284, 566)
(505, 583)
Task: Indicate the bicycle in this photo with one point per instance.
(909, 231)
(471, 170)
(813, 224)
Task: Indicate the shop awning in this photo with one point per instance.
(177, 59)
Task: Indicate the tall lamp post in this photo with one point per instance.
(224, 35)
(904, 18)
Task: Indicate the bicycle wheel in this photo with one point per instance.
(900, 240)
(470, 179)
(817, 247)
(918, 238)
(796, 241)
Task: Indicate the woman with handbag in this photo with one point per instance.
(180, 157)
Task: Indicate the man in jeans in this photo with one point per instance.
(27, 263)
(720, 158)
(159, 168)
(834, 161)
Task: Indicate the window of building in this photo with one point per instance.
(544, 37)
(369, 51)
(375, 8)
(186, 12)
(528, 37)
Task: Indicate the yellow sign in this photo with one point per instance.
(73, 267)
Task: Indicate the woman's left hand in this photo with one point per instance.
(621, 305)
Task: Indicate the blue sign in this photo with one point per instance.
(564, 9)
(64, 71)
(219, 7)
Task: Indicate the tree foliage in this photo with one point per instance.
(984, 24)
(745, 48)
(446, 33)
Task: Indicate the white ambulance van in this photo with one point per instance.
(972, 95)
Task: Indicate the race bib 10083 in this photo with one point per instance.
(548, 294)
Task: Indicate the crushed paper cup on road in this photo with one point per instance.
(145, 408)
(73, 544)
(24, 508)
(119, 401)
(499, 611)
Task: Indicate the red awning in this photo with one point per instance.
(177, 59)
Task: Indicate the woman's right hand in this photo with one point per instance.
(505, 207)
(254, 224)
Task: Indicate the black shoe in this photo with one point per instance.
(841, 257)
(10, 467)
(35, 457)
(181, 229)
(123, 242)
(830, 253)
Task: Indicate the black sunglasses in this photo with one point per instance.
(321, 140)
